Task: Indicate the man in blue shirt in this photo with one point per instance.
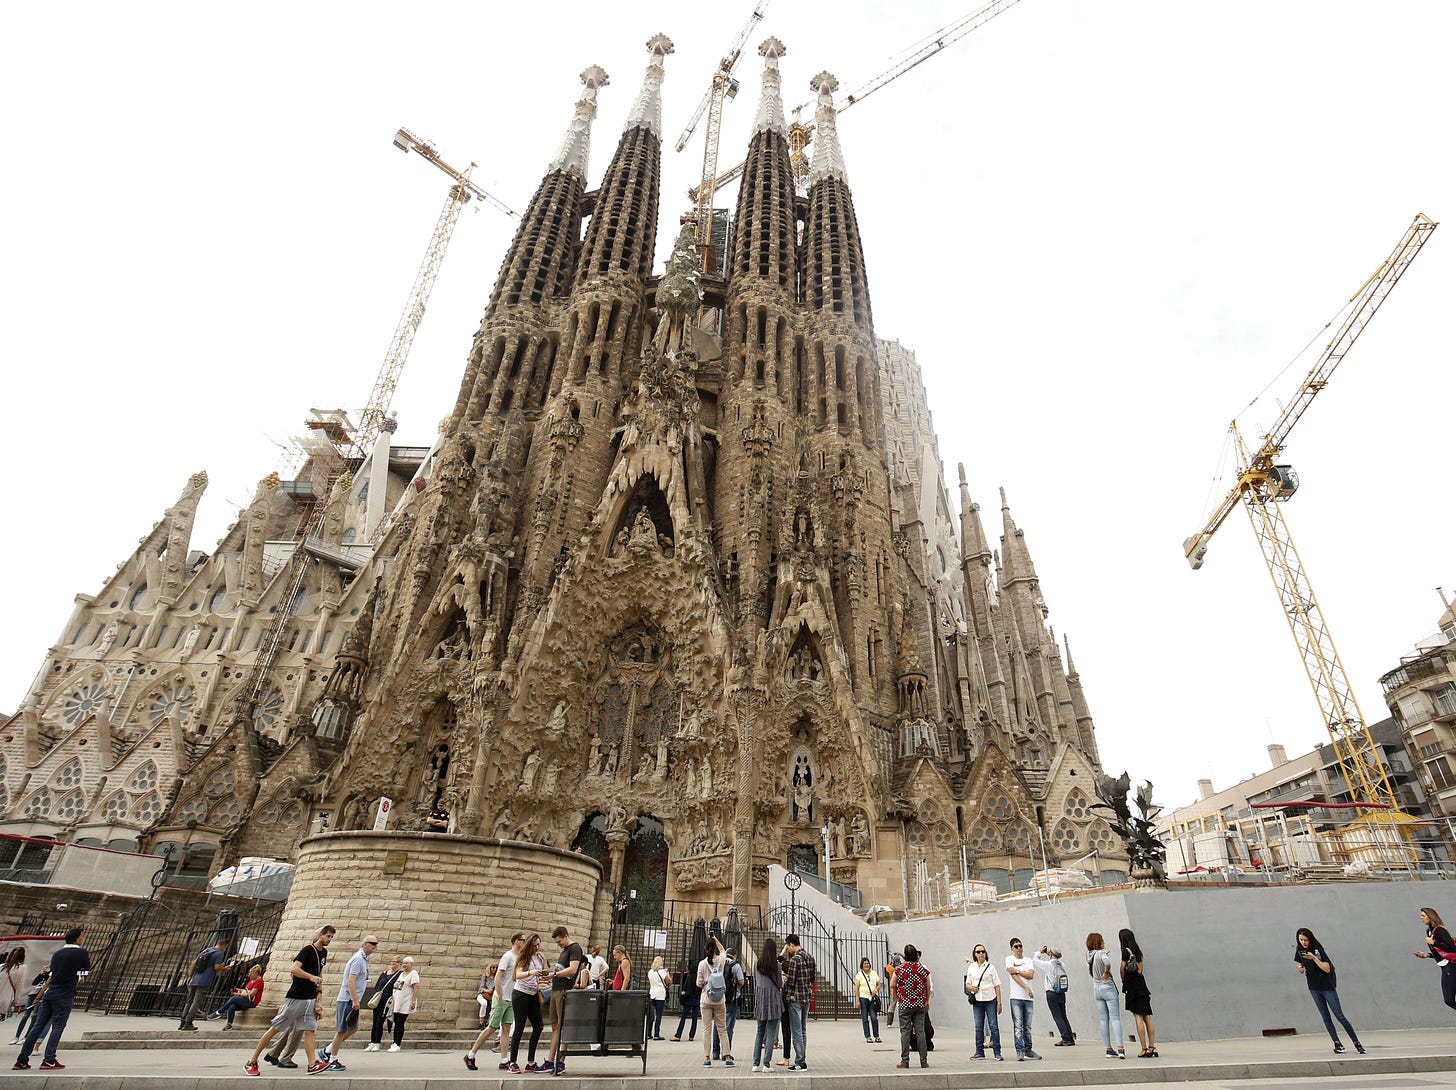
(346, 1007)
(53, 1009)
(199, 981)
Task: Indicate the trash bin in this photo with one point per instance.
(626, 1017)
(582, 1017)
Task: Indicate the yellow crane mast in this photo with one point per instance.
(1262, 486)
(371, 421)
(723, 88)
(801, 133)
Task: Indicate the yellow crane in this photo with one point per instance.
(723, 88)
(801, 132)
(1262, 486)
(371, 421)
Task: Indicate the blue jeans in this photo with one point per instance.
(1104, 995)
(985, 1011)
(869, 1018)
(1021, 1025)
(234, 1004)
(1327, 1003)
(689, 1010)
(657, 1006)
(51, 1013)
(798, 1012)
(763, 1043)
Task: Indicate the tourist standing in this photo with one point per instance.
(531, 974)
(406, 998)
(561, 981)
(32, 995)
(658, 979)
(485, 994)
(501, 1011)
(200, 981)
(598, 966)
(798, 991)
(622, 979)
(1441, 950)
(243, 999)
(768, 1004)
(1054, 975)
(1318, 969)
(983, 987)
(689, 1002)
(916, 989)
(891, 968)
(382, 1002)
(1020, 973)
(347, 1003)
(867, 988)
(733, 980)
(1104, 995)
(713, 986)
(1138, 998)
(53, 1009)
(300, 1003)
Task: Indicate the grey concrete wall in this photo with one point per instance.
(1220, 962)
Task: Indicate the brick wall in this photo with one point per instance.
(450, 902)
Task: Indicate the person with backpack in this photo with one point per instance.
(713, 981)
(733, 980)
(1054, 973)
(200, 981)
(915, 987)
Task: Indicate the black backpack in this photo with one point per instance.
(730, 982)
(204, 961)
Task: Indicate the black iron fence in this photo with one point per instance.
(142, 964)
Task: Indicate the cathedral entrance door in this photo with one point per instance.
(645, 871)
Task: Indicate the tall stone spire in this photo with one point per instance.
(646, 112)
(576, 144)
(828, 159)
(771, 102)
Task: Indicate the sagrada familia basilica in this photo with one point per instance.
(679, 584)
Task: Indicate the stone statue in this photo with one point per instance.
(107, 639)
(595, 762)
(859, 835)
(191, 641)
(553, 774)
(838, 829)
(502, 825)
(660, 772)
(557, 724)
(529, 771)
(644, 534)
(617, 821)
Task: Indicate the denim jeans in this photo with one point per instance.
(869, 1018)
(1109, 1013)
(51, 1014)
(1021, 1025)
(798, 1013)
(657, 1006)
(689, 1010)
(234, 1004)
(763, 1043)
(985, 1011)
(1057, 1004)
(1327, 1003)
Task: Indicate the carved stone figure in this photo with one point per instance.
(529, 771)
(859, 835)
(556, 726)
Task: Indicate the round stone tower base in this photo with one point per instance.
(449, 902)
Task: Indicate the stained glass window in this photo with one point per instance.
(1078, 805)
(39, 803)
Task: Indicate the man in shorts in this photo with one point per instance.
(500, 1008)
(300, 1004)
(563, 979)
(346, 1008)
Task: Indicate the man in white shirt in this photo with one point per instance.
(500, 1009)
(1020, 972)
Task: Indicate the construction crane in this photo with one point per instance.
(371, 422)
(723, 88)
(1263, 485)
(801, 133)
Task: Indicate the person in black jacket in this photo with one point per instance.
(1318, 969)
(1440, 948)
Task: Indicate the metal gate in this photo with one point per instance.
(836, 957)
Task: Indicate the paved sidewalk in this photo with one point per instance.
(121, 1053)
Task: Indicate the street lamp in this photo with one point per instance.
(828, 879)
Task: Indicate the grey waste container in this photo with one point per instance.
(583, 1017)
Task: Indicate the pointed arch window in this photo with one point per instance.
(1065, 838)
(1078, 806)
(39, 803)
(69, 775)
(147, 808)
(984, 838)
(220, 782)
(1099, 836)
(69, 805)
(115, 808)
(143, 779)
(635, 710)
(998, 807)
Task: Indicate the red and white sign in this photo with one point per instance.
(381, 819)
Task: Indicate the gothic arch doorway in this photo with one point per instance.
(645, 871)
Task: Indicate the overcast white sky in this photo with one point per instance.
(1102, 227)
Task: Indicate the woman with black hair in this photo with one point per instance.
(1441, 950)
(768, 1004)
(1318, 969)
(1138, 998)
(916, 987)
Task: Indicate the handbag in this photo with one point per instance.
(876, 1005)
(371, 998)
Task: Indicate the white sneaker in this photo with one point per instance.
(757, 1069)
(394, 1048)
(371, 1047)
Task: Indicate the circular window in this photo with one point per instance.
(143, 779)
(194, 809)
(985, 838)
(147, 808)
(173, 703)
(220, 782)
(83, 703)
(1064, 837)
(225, 812)
(1101, 838)
(944, 836)
(69, 775)
(269, 708)
(1077, 805)
(39, 804)
(998, 808)
(69, 805)
(115, 808)
(1018, 839)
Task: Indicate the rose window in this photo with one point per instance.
(985, 838)
(1078, 806)
(69, 806)
(69, 775)
(1101, 838)
(143, 779)
(1064, 837)
(147, 808)
(174, 703)
(270, 707)
(998, 808)
(84, 702)
(39, 804)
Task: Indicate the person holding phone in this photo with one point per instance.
(1441, 950)
(1318, 970)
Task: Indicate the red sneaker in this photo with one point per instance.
(51, 1065)
(250, 1068)
(317, 1066)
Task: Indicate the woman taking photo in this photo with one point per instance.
(1139, 997)
(383, 1003)
(1441, 950)
(983, 987)
(658, 979)
(530, 974)
(1104, 996)
(867, 985)
(768, 1004)
(1318, 970)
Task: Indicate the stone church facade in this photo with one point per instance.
(680, 584)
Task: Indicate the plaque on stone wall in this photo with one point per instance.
(394, 862)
